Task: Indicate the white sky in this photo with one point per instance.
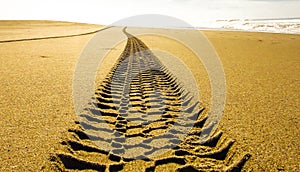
(109, 11)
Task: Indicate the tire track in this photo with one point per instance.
(138, 111)
(53, 37)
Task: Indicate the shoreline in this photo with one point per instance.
(98, 27)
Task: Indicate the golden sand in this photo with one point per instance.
(262, 110)
(262, 106)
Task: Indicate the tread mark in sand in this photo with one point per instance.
(137, 83)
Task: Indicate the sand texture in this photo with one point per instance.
(259, 130)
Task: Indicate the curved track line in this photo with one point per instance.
(54, 37)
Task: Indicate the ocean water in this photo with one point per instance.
(282, 25)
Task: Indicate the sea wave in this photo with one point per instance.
(282, 25)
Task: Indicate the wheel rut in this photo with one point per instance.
(138, 116)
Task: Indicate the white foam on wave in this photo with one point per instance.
(289, 25)
(276, 26)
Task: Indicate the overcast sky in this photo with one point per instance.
(109, 11)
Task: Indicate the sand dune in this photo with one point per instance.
(38, 120)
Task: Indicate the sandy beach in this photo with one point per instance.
(37, 113)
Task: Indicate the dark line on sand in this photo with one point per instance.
(54, 37)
